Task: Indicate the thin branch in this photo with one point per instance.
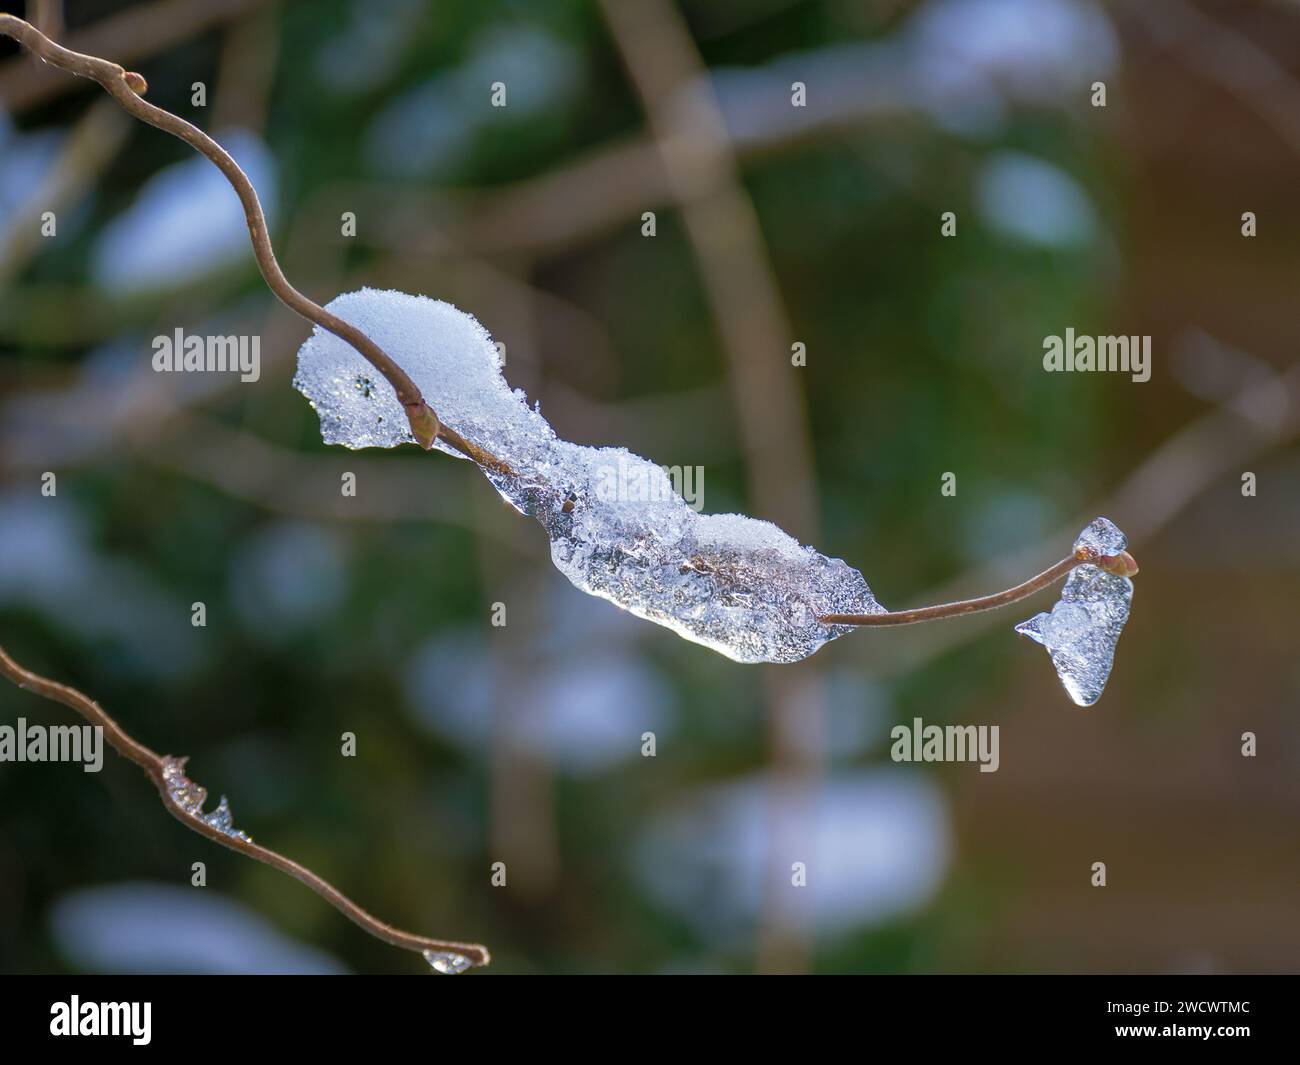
(1121, 564)
(164, 770)
(137, 33)
(966, 606)
(127, 88)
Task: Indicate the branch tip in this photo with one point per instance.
(1121, 565)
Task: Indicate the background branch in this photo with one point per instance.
(162, 771)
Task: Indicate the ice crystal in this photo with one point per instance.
(1083, 627)
(1102, 536)
(618, 530)
(190, 797)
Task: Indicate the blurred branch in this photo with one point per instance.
(246, 72)
(727, 239)
(178, 795)
(1220, 53)
(47, 16)
(89, 148)
(724, 231)
(245, 466)
(126, 88)
(598, 192)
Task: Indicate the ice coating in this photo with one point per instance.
(1082, 629)
(190, 797)
(618, 530)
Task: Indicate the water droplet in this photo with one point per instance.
(447, 962)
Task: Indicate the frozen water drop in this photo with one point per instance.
(1082, 629)
(447, 962)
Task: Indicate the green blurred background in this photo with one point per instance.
(522, 744)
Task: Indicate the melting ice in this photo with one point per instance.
(1083, 627)
(735, 584)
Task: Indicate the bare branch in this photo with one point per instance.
(159, 768)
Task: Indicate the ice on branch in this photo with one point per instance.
(190, 797)
(617, 528)
(1082, 629)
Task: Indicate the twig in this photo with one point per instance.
(139, 32)
(965, 606)
(1122, 565)
(158, 768)
(127, 87)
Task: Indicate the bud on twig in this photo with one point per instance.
(424, 423)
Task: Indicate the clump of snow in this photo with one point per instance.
(735, 584)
